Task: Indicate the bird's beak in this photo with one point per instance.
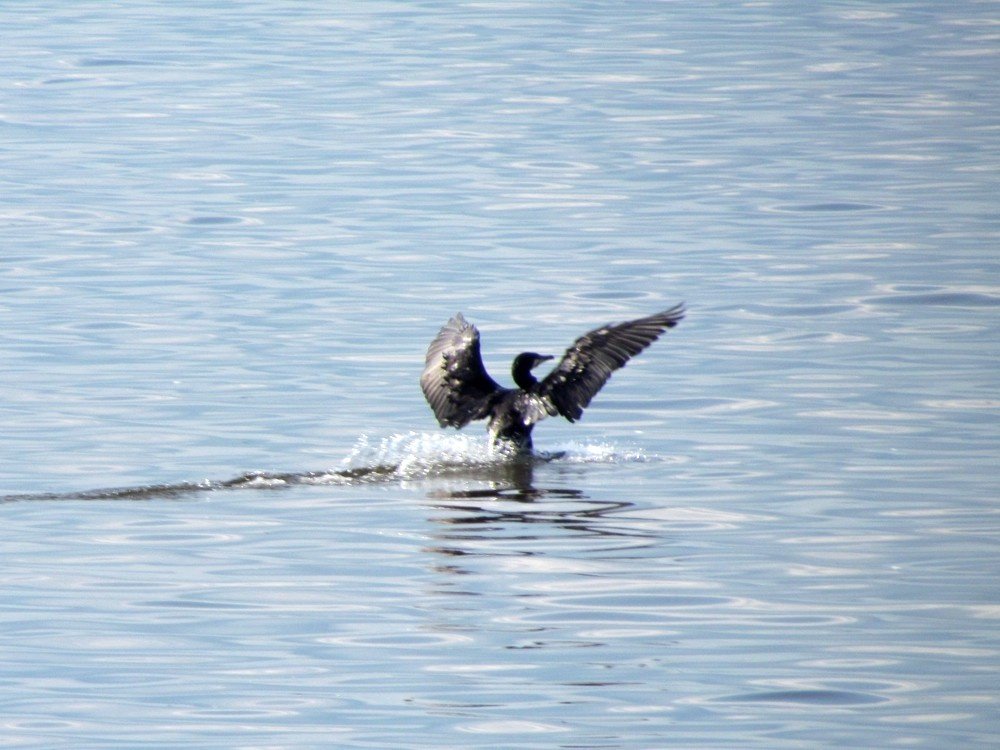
(545, 357)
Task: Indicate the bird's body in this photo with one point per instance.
(459, 389)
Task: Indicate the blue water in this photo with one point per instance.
(229, 519)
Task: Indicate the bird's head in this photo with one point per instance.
(524, 363)
(529, 360)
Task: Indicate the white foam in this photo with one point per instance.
(576, 452)
(415, 454)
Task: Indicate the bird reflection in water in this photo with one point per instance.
(507, 506)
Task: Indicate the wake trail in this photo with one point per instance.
(395, 458)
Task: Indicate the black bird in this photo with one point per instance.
(459, 389)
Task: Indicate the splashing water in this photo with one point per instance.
(420, 454)
(575, 452)
(411, 450)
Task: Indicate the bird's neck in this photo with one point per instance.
(523, 377)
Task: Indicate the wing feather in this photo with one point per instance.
(589, 362)
(455, 381)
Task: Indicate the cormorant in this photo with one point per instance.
(459, 389)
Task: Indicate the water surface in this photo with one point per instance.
(229, 520)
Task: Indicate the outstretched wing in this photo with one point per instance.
(588, 364)
(454, 380)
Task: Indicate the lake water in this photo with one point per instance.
(230, 232)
